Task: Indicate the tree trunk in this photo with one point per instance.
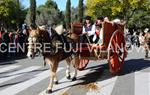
(32, 12)
(68, 14)
(80, 9)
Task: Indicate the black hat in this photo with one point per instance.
(100, 18)
(88, 18)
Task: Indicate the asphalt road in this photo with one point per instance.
(30, 77)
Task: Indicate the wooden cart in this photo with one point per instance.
(112, 47)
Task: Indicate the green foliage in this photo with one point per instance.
(98, 7)
(51, 4)
(140, 19)
(11, 14)
(68, 14)
(47, 14)
(114, 8)
(129, 10)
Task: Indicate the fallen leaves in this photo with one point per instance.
(64, 93)
(92, 86)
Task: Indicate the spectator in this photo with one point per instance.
(89, 30)
(98, 30)
(6, 40)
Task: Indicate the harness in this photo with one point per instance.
(50, 38)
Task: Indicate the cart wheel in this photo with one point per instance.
(82, 64)
(117, 52)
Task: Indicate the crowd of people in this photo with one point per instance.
(136, 38)
(16, 40)
(91, 33)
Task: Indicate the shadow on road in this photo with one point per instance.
(101, 72)
(11, 59)
(12, 83)
(135, 65)
(95, 73)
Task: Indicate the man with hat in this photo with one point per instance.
(98, 29)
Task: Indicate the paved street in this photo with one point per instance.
(30, 77)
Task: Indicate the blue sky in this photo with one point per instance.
(61, 3)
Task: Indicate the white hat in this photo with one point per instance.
(59, 29)
(116, 20)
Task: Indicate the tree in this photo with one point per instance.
(127, 8)
(97, 8)
(51, 4)
(140, 19)
(18, 2)
(9, 14)
(74, 14)
(32, 11)
(68, 14)
(47, 14)
(123, 9)
(21, 14)
(80, 10)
